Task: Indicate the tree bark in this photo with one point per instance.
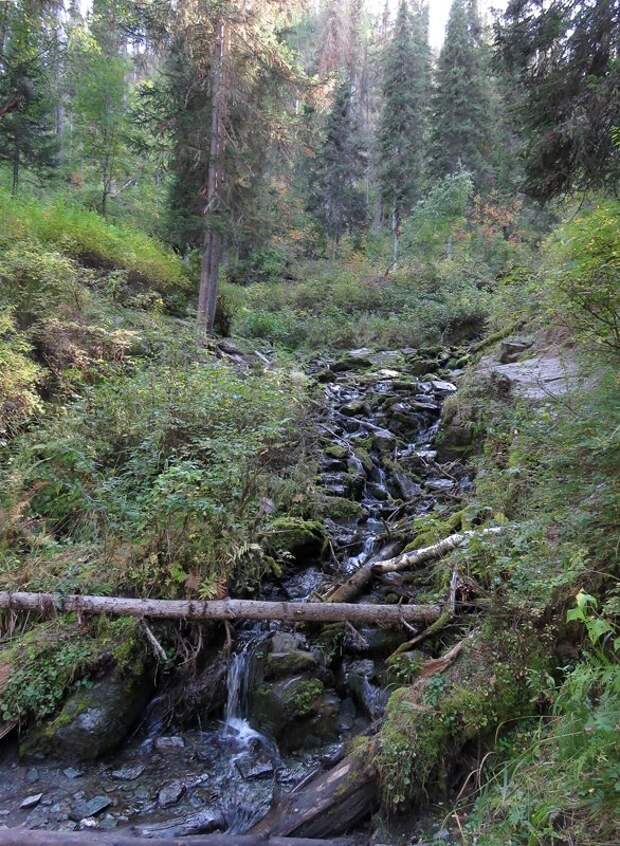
(331, 804)
(212, 250)
(224, 609)
(28, 837)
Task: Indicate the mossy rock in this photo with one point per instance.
(336, 451)
(301, 538)
(93, 721)
(341, 508)
(282, 664)
(292, 710)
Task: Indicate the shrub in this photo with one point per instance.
(86, 236)
(18, 378)
(583, 257)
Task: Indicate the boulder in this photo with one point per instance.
(296, 711)
(281, 664)
(93, 721)
(301, 538)
(353, 360)
(512, 348)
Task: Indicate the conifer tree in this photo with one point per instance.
(336, 198)
(27, 135)
(403, 131)
(461, 134)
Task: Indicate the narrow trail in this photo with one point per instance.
(294, 698)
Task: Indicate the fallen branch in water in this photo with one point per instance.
(358, 581)
(221, 609)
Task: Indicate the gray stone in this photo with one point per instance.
(281, 664)
(72, 773)
(32, 776)
(443, 388)
(89, 808)
(164, 744)
(31, 801)
(170, 794)
(512, 348)
(128, 773)
(260, 769)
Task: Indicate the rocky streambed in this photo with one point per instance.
(288, 701)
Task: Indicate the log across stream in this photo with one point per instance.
(305, 677)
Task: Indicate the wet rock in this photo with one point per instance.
(93, 720)
(443, 388)
(72, 773)
(128, 773)
(200, 823)
(341, 508)
(32, 776)
(407, 488)
(170, 794)
(354, 408)
(387, 358)
(297, 712)
(165, 744)
(259, 769)
(286, 641)
(369, 697)
(383, 439)
(31, 801)
(439, 484)
(346, 715)
(89, 808)
(281, 664)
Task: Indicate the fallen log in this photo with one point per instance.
(31, 837)
(221, 609)
(358, 581)
(331, 804)
(431, 553)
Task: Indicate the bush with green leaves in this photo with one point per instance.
(583, 267)
(158, 474)
(19, 375)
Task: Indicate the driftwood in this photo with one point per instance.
(358, 581)
(29, 837)
(224, 609)
(331, 804)
(202, 822)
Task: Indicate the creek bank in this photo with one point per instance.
(310, 692)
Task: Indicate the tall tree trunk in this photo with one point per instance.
(212, 249)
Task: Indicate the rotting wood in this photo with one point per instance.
(30, 837)
(331, 804)
(221, 609)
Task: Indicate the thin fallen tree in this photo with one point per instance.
(221, 609)
(362, 577)
(30, 837)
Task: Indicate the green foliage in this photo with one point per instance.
(85, 236)
(160, 472)
(561, 780)
(19, 375)
(583, 258)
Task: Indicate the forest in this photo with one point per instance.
(310, 422)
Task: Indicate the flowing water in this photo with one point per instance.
(384, 427)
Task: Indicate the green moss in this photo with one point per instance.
(432, 528)
(340, 508)
(295, 535)
(300, 701)
(336, 451)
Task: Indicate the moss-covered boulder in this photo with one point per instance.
(94, 720)
(297, 712)
(281, 664)
(298, 537)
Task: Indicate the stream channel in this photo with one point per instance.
(296, 696)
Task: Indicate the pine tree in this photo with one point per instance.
(563, 58)
(337, 200)
(402, 137)
(461, 106)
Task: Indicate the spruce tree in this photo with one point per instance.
(336, 199)
(461, 132)
(402, 136)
